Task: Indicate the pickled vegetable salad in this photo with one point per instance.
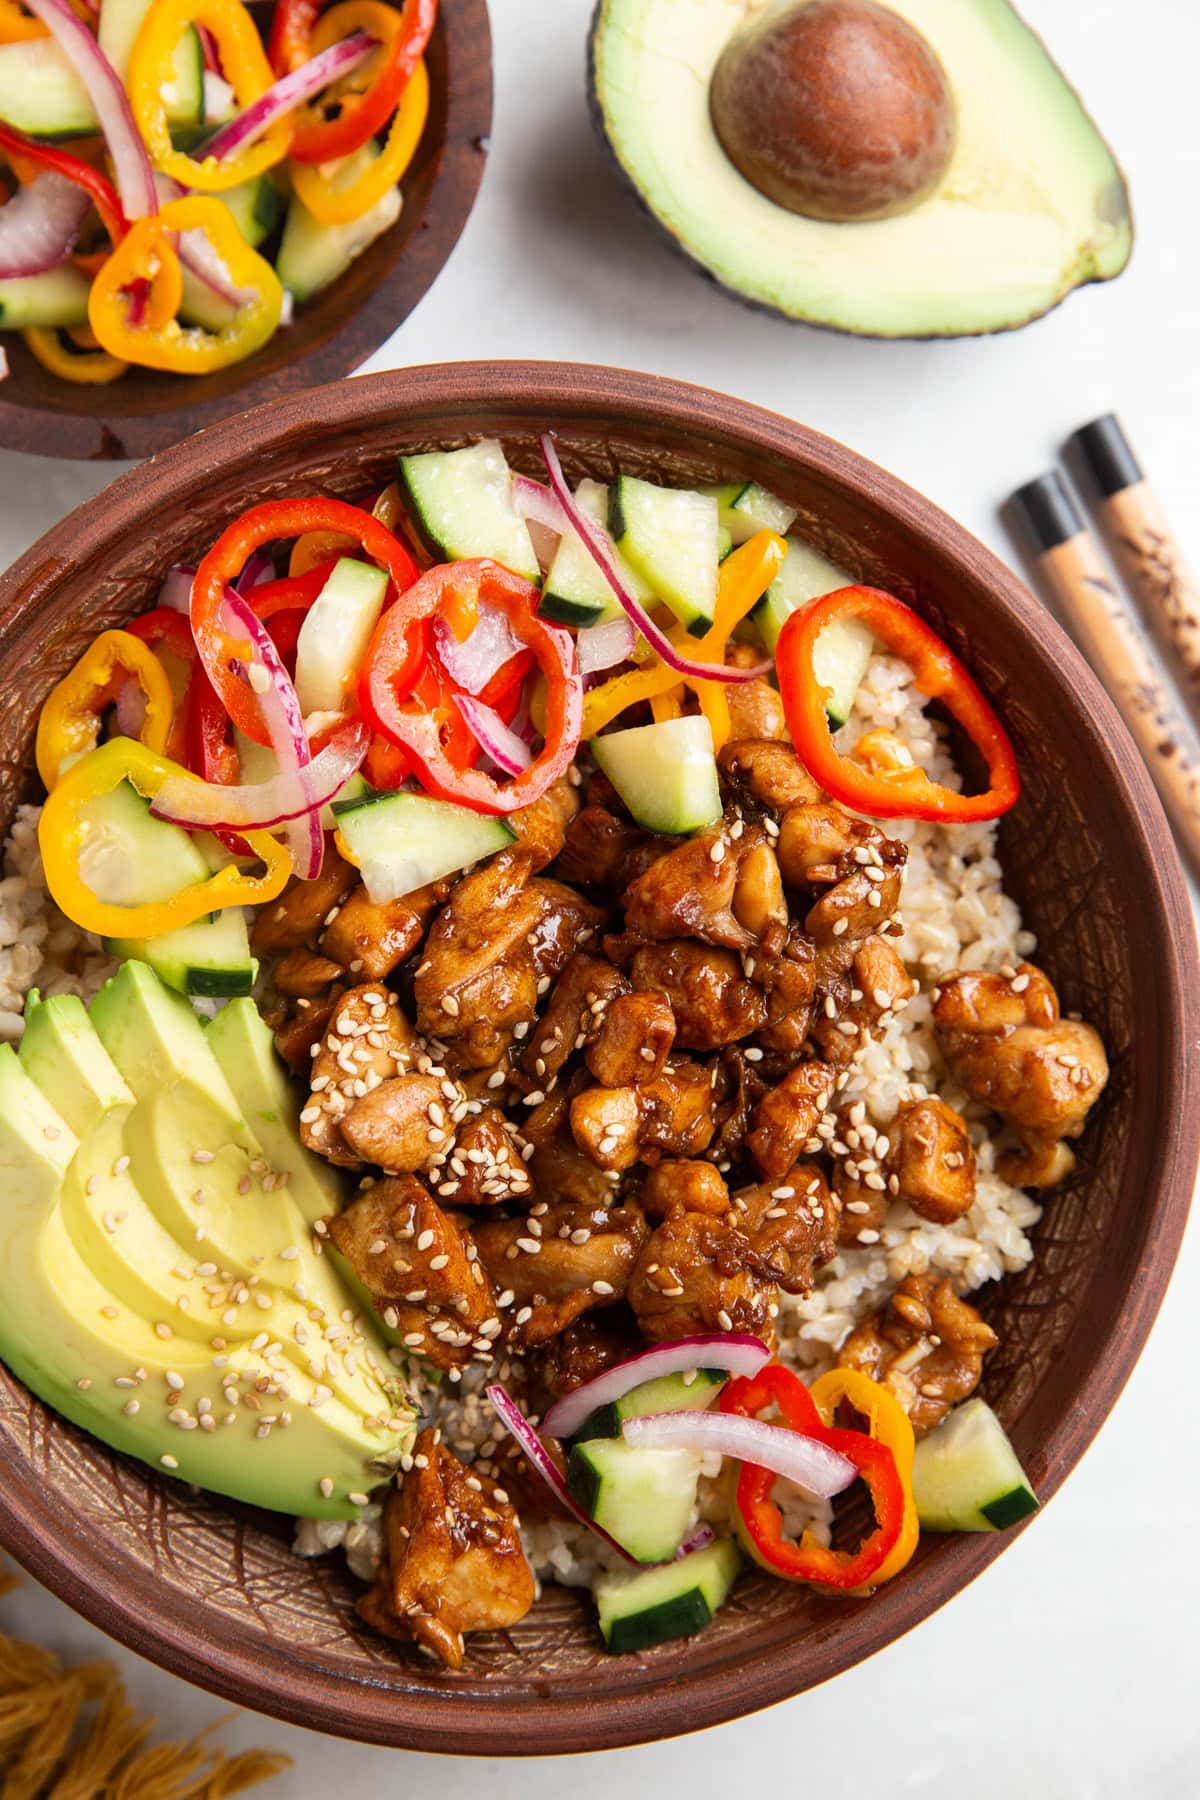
(173, 185)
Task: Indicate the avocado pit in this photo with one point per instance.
(835, 109)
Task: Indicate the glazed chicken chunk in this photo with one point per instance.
(785, 1119)
(616, 1127)
(926, 1345)
(700, 1272)
(453, 1561)
(558, 1262)
(764, 772)
(707, 991)
(933, 1160)
(371, 941)
(691, 892)
(1006, 1042)
(304, 909)
(368, 1041)
(421, 1268)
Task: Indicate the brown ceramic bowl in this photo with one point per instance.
(210, 1590)
(334, 334)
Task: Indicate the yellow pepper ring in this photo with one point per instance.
(62, 834)
(245, 64)
(372, 16)
(89, 366)
(316, 184)
(69, 723)
(316, 547)
(744, 578)
(887, 1421)
(158, 341)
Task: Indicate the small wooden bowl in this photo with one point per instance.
(333, 335)
(211, 1590)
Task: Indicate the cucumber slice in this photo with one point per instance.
(59, 297)
(843, 649)
(745, 508)
(461, 503)
(404, 841)
(312, 255)
(183, 95)
(211, 957)
(336, 631)
(575, 592)
(257, 207)
(670, 536)
(966, 1476)
(670, 1393)
(128, 858)
(257, 762)
(666, 773)
(40, 92)
(643, 1498)
(200, 305)
(638, 1611)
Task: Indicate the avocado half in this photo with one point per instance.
(1032, 205)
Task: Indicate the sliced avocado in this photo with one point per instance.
(1032, 203)
(243, 1044)
(62, 1054)
(152, 1033)
(157, 1262)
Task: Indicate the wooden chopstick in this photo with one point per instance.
(1068, 560)
(1140, 538)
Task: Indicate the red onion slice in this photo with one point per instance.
(533, 501)
(131, 708)
(596, 543)
(176, 590)
(736, 1351)
(482, 654)
(600, 646)
(260, 806)
(285, 728)
(289, 93)
(131, 163)
(508, 751)
(812, 1465)
(40, 225)
(258, 569)
(3, 363)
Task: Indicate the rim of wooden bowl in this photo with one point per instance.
(333, 335)
(595, 406)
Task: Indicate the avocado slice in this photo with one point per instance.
(62, 1054)
(155, 1261)
(1032, 204)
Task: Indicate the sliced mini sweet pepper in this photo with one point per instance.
(89, 368)
(289, 46)
(62, 835)
(758, 1518)
(274, 520)
(397, 649)
(147, 254)
(359, 116)
(69, 722)
(244, 65)
(886, 1420)
(324, 189)
(904, 791)
(165, 629)
(103, 194)
(744, 577)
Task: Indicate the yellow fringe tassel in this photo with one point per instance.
(71, 1734)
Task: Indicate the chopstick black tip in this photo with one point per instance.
(1047, 510)
(1107, 454)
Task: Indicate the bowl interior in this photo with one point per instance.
(332, 335)
(211, 1590)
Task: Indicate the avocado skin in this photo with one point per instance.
(750, 301)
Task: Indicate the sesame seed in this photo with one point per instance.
(425, 1240)
(84, 1383)
(438, 1262)
(162, 1330)
(506, 1298)
(202, 1156)
(724, 1320)
(524, 1316)
(414, 1339)
(168, 1461)
(717, 852)
(120, 1166)
(534, 1099)
(450, 1005)
(359, 1499)
(782, 1193)
(131, 1408)
(839, 926)
(603, 1287)
(174, 1381)
(753, 1054)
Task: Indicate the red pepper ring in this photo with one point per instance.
(902, 793)
(760, 1520)
(292, 25)
(163, 625)
(362, 116)
(381, 687)
(262, 525)
(100, 190)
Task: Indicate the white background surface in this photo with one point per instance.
(1070, 1669)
